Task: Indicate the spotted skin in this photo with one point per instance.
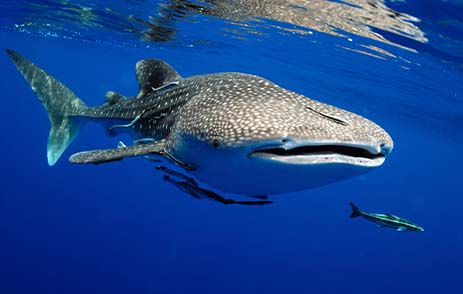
(239, 108)
(236, 108)
(107, 155)
(215, 126)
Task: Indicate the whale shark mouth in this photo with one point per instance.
(319, 154)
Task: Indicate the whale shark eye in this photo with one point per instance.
(215, 143)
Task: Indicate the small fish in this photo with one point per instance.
(386, 220)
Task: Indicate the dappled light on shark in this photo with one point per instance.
(257, 129)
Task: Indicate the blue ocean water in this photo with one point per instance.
(119, 228)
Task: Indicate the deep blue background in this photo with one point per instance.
(118, 228)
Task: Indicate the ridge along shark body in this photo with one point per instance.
(235, 132)
(386, 220)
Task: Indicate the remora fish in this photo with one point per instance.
(386, 220)
(235, 132)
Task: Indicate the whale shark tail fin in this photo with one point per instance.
(59, 102)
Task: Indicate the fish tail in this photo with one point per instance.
(355, 210)
(59, 102)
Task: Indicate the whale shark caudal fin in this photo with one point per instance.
(355, 211)
(59, 102)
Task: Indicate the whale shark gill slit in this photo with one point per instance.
(336, 120)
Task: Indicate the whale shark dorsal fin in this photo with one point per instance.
(153, 74)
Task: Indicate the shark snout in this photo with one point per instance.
(385, 148)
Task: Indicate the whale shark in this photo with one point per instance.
(216, 133)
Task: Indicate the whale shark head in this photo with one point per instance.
(247, 135)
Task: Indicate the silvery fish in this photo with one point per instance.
(386, 220)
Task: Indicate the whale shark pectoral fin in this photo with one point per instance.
(144, 141)
(108, 155)
(147, 157)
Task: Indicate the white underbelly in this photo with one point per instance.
(252, 176)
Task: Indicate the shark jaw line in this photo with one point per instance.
(322, 153)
